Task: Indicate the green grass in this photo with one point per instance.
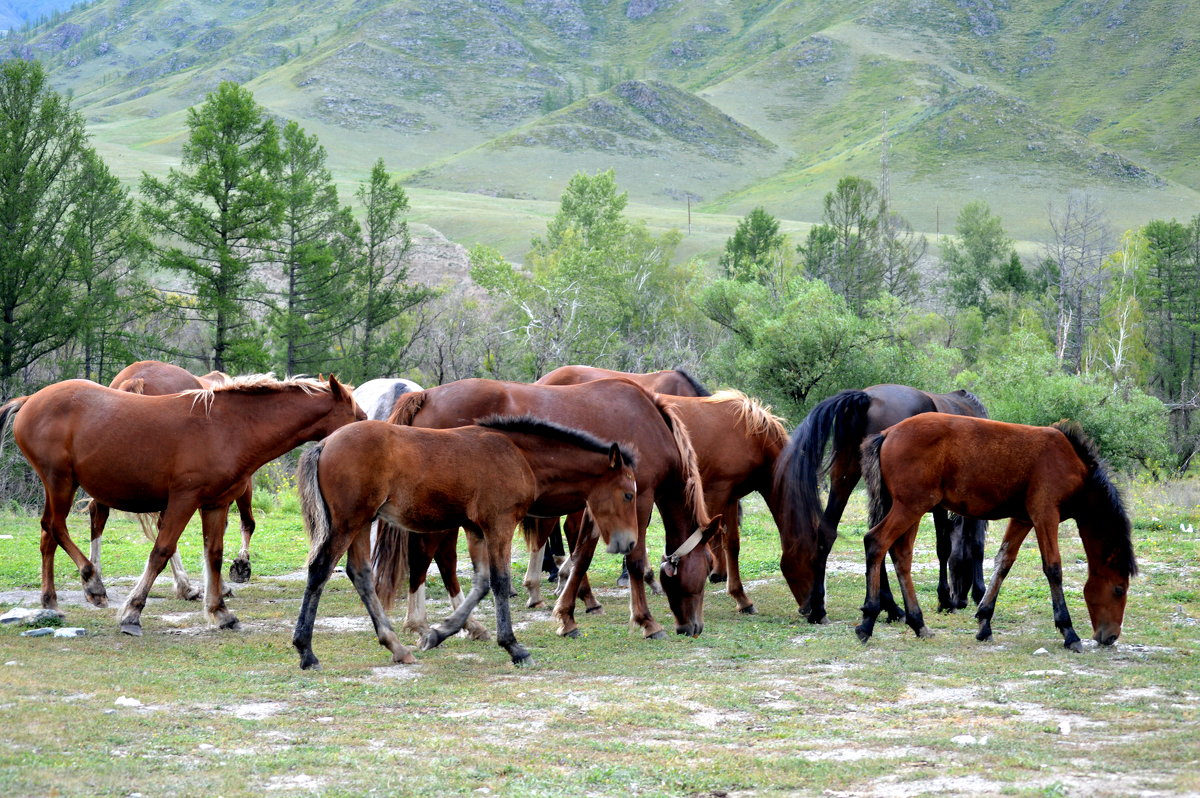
(763, 704)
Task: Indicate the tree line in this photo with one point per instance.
(245, 259)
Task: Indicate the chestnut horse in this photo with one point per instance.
(848, 418)
(155, 378)
(1035, 476)
(667, 474)
(171, 454)
(484, 478)
(673, 382)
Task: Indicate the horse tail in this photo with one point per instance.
(406, 408)
(7, 412)
(529, 529)
(312, 502)
(802, 462)
(149, 524)
(879, 499)
(1103, 498)
(693, 485)
(389, 561)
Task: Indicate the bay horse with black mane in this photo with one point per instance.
(848, 418)
(1035, 476)
(484, 478)
(667, 474)
(539, 533)
(155, 378)
(171, 454)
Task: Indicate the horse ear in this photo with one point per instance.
(335, 388)
(710, 531)
(614, 456)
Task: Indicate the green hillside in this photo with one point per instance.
(731, 106)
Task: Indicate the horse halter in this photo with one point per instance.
(670, 562)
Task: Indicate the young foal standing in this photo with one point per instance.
(1036, 476)
(169, 454)
(484, 478)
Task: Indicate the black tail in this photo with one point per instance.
(879, 499)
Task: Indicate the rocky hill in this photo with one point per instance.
(732, 105)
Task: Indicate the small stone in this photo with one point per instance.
(127, 702)
(1040, 651)
(16, 614)
(1064, 727)
(10, 537)
(45, 630)
(964, 739)
(206, 746)
(43, 618)
(70, 631)
(12, 662)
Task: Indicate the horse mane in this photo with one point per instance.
(406, 408)
(256, 384)
(692, 381)
(693, 485)
(135, 385)
(531, 425)
(974, 401)
(1103, 497)
(756, 416)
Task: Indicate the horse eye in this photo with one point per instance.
(628, 497)
(1118, 591)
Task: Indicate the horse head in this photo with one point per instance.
(684, 576)
(612, 502)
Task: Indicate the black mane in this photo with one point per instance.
(531, 425)
(696, 386)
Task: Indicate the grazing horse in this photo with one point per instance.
(667, 474)
(171, 454)
(155, 378)
(1035, 476)
(485, 478)
(673, 382)
(848, 418)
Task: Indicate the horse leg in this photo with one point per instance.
(97, 518)
(1005, 557)
(876, 544)
(944, 534)
(171, 523)
(975, 533)
(901, 553)
(480, 585)
(213, 523)
(1046, 528)
(499, 551)
(571, 528)
(581, 558)
(639, 609)
(447, 562)
(358, 568)
(419, 557)
(320, 567)
(239, 569)
(59, 494)
(843, 476)
(536, 542)
(732, 550)
(718, 547)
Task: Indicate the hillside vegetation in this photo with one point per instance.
(748, 103)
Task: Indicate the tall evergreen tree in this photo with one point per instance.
(218, 214)
(844, 250)
(42, 147)
(755, 242)
(315, 253)
(980, 262)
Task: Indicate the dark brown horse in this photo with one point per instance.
(483, 478)
(667, 475)
(168, 454)
(673, 382)
(848, 418)
(155, 378)
(1035, 476)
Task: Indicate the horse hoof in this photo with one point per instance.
(431, 640)
(717, 579)
(478, 633)
(863, 634)
(188, 593)
(983, 635)
(623, 581)
(822, 621)
(239, 570)
(132, 629)
(597, 610)
(533, 605)
(232, 625)
(924, 633)
(1076, 646)
(571, 633)
(749, 609)
(309, 663)
(659, 635)
(523, 661)
(405, 659)
(895, 617)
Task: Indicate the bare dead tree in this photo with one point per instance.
(1082, 239)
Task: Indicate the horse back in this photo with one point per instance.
(157, 378)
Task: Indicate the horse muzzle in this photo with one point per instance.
(691, 628)
(1106, 635)
(621, 542)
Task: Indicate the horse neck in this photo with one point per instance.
(267, 425)
(560, 467)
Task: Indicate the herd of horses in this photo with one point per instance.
(591, 451)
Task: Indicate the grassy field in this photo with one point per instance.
(759, 705)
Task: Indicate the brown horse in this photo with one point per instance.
(168, 454)
(1035, 476)
(848, 418)
(483, 478)
(673, 382)
(155, 378)
(667, 475)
